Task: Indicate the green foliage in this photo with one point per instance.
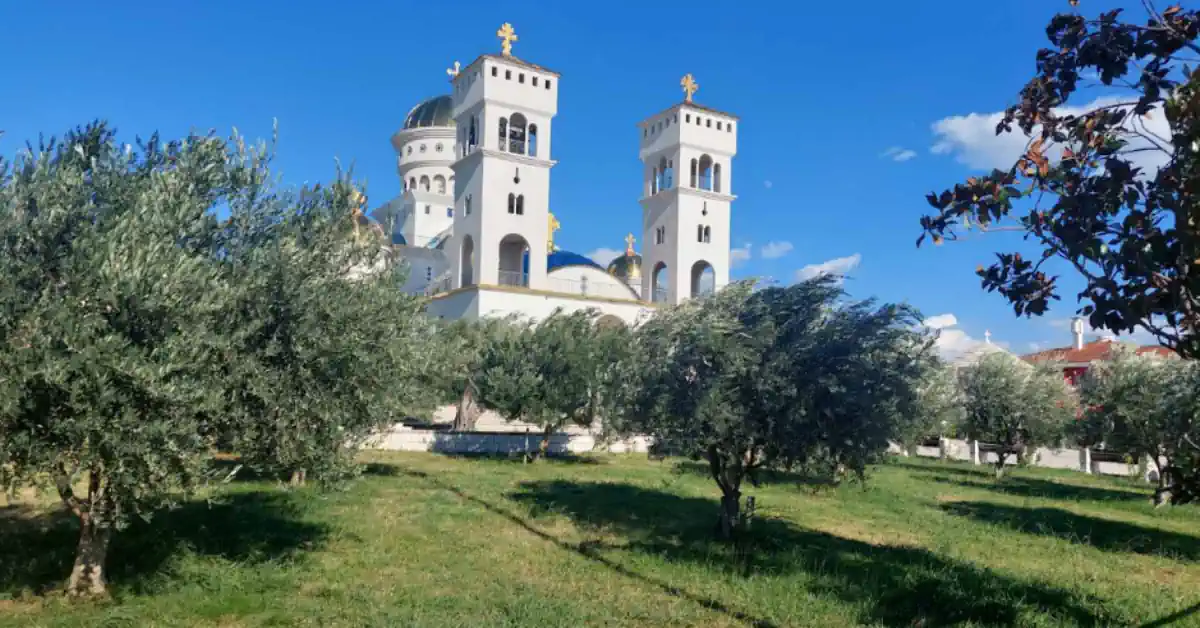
(1147, 406)
(558, 372)
(1086, 190)
(935, 407)
(776, 378)
(462, 346)
(1014, 405)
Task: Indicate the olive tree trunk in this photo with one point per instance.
(299, 476)
(87, 575)
(1001, 458)
(467, 413)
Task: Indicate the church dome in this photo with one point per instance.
(627, 266)
(437, 111)
(559, 259)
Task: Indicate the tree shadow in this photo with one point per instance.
(941, 467)
(1035, 487)
(764, 477)
(892, 585)
(521, 457)
(1112, 536)
(37, 549)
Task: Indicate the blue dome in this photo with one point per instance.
(559, 259)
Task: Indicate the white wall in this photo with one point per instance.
(588, 281)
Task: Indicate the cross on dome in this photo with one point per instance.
(689, 85)
(629, 240)
(507, 36)
(453, 72)
(552, 225)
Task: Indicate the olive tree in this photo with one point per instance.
(1015, 405)
(463, 345)
(1145, 405)
(782, 377)
(558, 372)
(934, 407)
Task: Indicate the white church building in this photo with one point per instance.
(474, 223)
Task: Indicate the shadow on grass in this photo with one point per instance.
(520, 458)
(1113, 536)
(764, 477)
(941, 467)
(1172, 618)
(37, 549)
(1036, 487)
(895, 586)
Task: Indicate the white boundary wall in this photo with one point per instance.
(1067, 458)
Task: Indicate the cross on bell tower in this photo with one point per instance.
(507, 36)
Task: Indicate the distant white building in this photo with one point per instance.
(473, 220)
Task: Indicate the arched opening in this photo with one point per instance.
(669, 175)
(717, 178)
(533, 137)
(468, 262)
(521, 205)
(693, 178)
(516, 134)
(706, 165)
(512, 203)
(412, 184)
(609, 321)
(503, 133)
(699, 233)
(439, 184)
(471, 141)
(707, 235)
(703, 279)
(654, 181)
(424, 183)
(513, 249)
(659, 283)
(663, 175)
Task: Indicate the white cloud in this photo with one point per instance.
(971, 139)
(603, 256)
(839, 267)
(941, 321)
(898, 153)
(739, 255)
(775, 250)
(767, 184)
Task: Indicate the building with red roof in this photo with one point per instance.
(1076, 358)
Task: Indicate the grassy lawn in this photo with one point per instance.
(429, 540)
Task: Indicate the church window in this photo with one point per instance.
(508, 75)
(654, 178)
(426, 210)
(503, 133)
(439, 183)
(471, 136)
(429, 273)
(664, 175)
(449, 212)
(717, 177)
(494, 70)
(718, 125)
(729, 127)
(516, 134)
(438, 148)
(533, 137)
(687, 117)
(645, 132)
(410, 149)
(534, 81)
(693, 179)
(547, 83)
(660, 235)
(699, 233)
(521, 78)
(676, 118)
(706, 173)
(707, 234)
(467, 205)
(412, 183)
(521, 205)
(422, 148)
(424, 183)
(512, 203)
(708, 123)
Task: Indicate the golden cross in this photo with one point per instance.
(453, 72)
(689, 85)
(629, 244)
(552, 225)
(507, 36)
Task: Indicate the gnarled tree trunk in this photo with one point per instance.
(467, 413)
(87, 576)
(731, 511)
(299, 476)
(1001, 458)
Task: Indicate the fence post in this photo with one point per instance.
(942, 447)
(1085, 459)
(975, 451)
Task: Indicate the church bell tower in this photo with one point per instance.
(503, 108)
(687, 154)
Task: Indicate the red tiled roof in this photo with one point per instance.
(1092, 351)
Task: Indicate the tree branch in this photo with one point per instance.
(62, 481)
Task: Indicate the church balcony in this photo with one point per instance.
(513, 278)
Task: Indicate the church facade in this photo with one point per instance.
(473, 220)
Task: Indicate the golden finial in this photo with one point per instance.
(629, 245)
(689, 85)
(507, 36)
(551, 226)
(453, 72)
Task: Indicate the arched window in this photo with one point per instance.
(512, 203)
(707, 234)
(429, 273)
(516, 134)
(703, 279)
(706, 168)
(513, 252)
(467, 262)
(412, 183)
(693, 173)
(716, 177)
(471, 136)
(521, 205)
(503, 133)
(533, 138)
(659, 281)
(654, 181)
(664, 174)
(699, 233)
(467, 205)
(424, 183)
(439, 184)
(449, 212)
(670, 178)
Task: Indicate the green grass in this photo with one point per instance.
(429, 540)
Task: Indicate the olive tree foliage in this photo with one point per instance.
(109, 325)
(1108, 191)
(1016, 406)
(558, 372)
(463, 344)
(324, 348)
(776, 378)
(1146, 405)
(935, 406)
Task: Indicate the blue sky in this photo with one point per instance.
(848, 111)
